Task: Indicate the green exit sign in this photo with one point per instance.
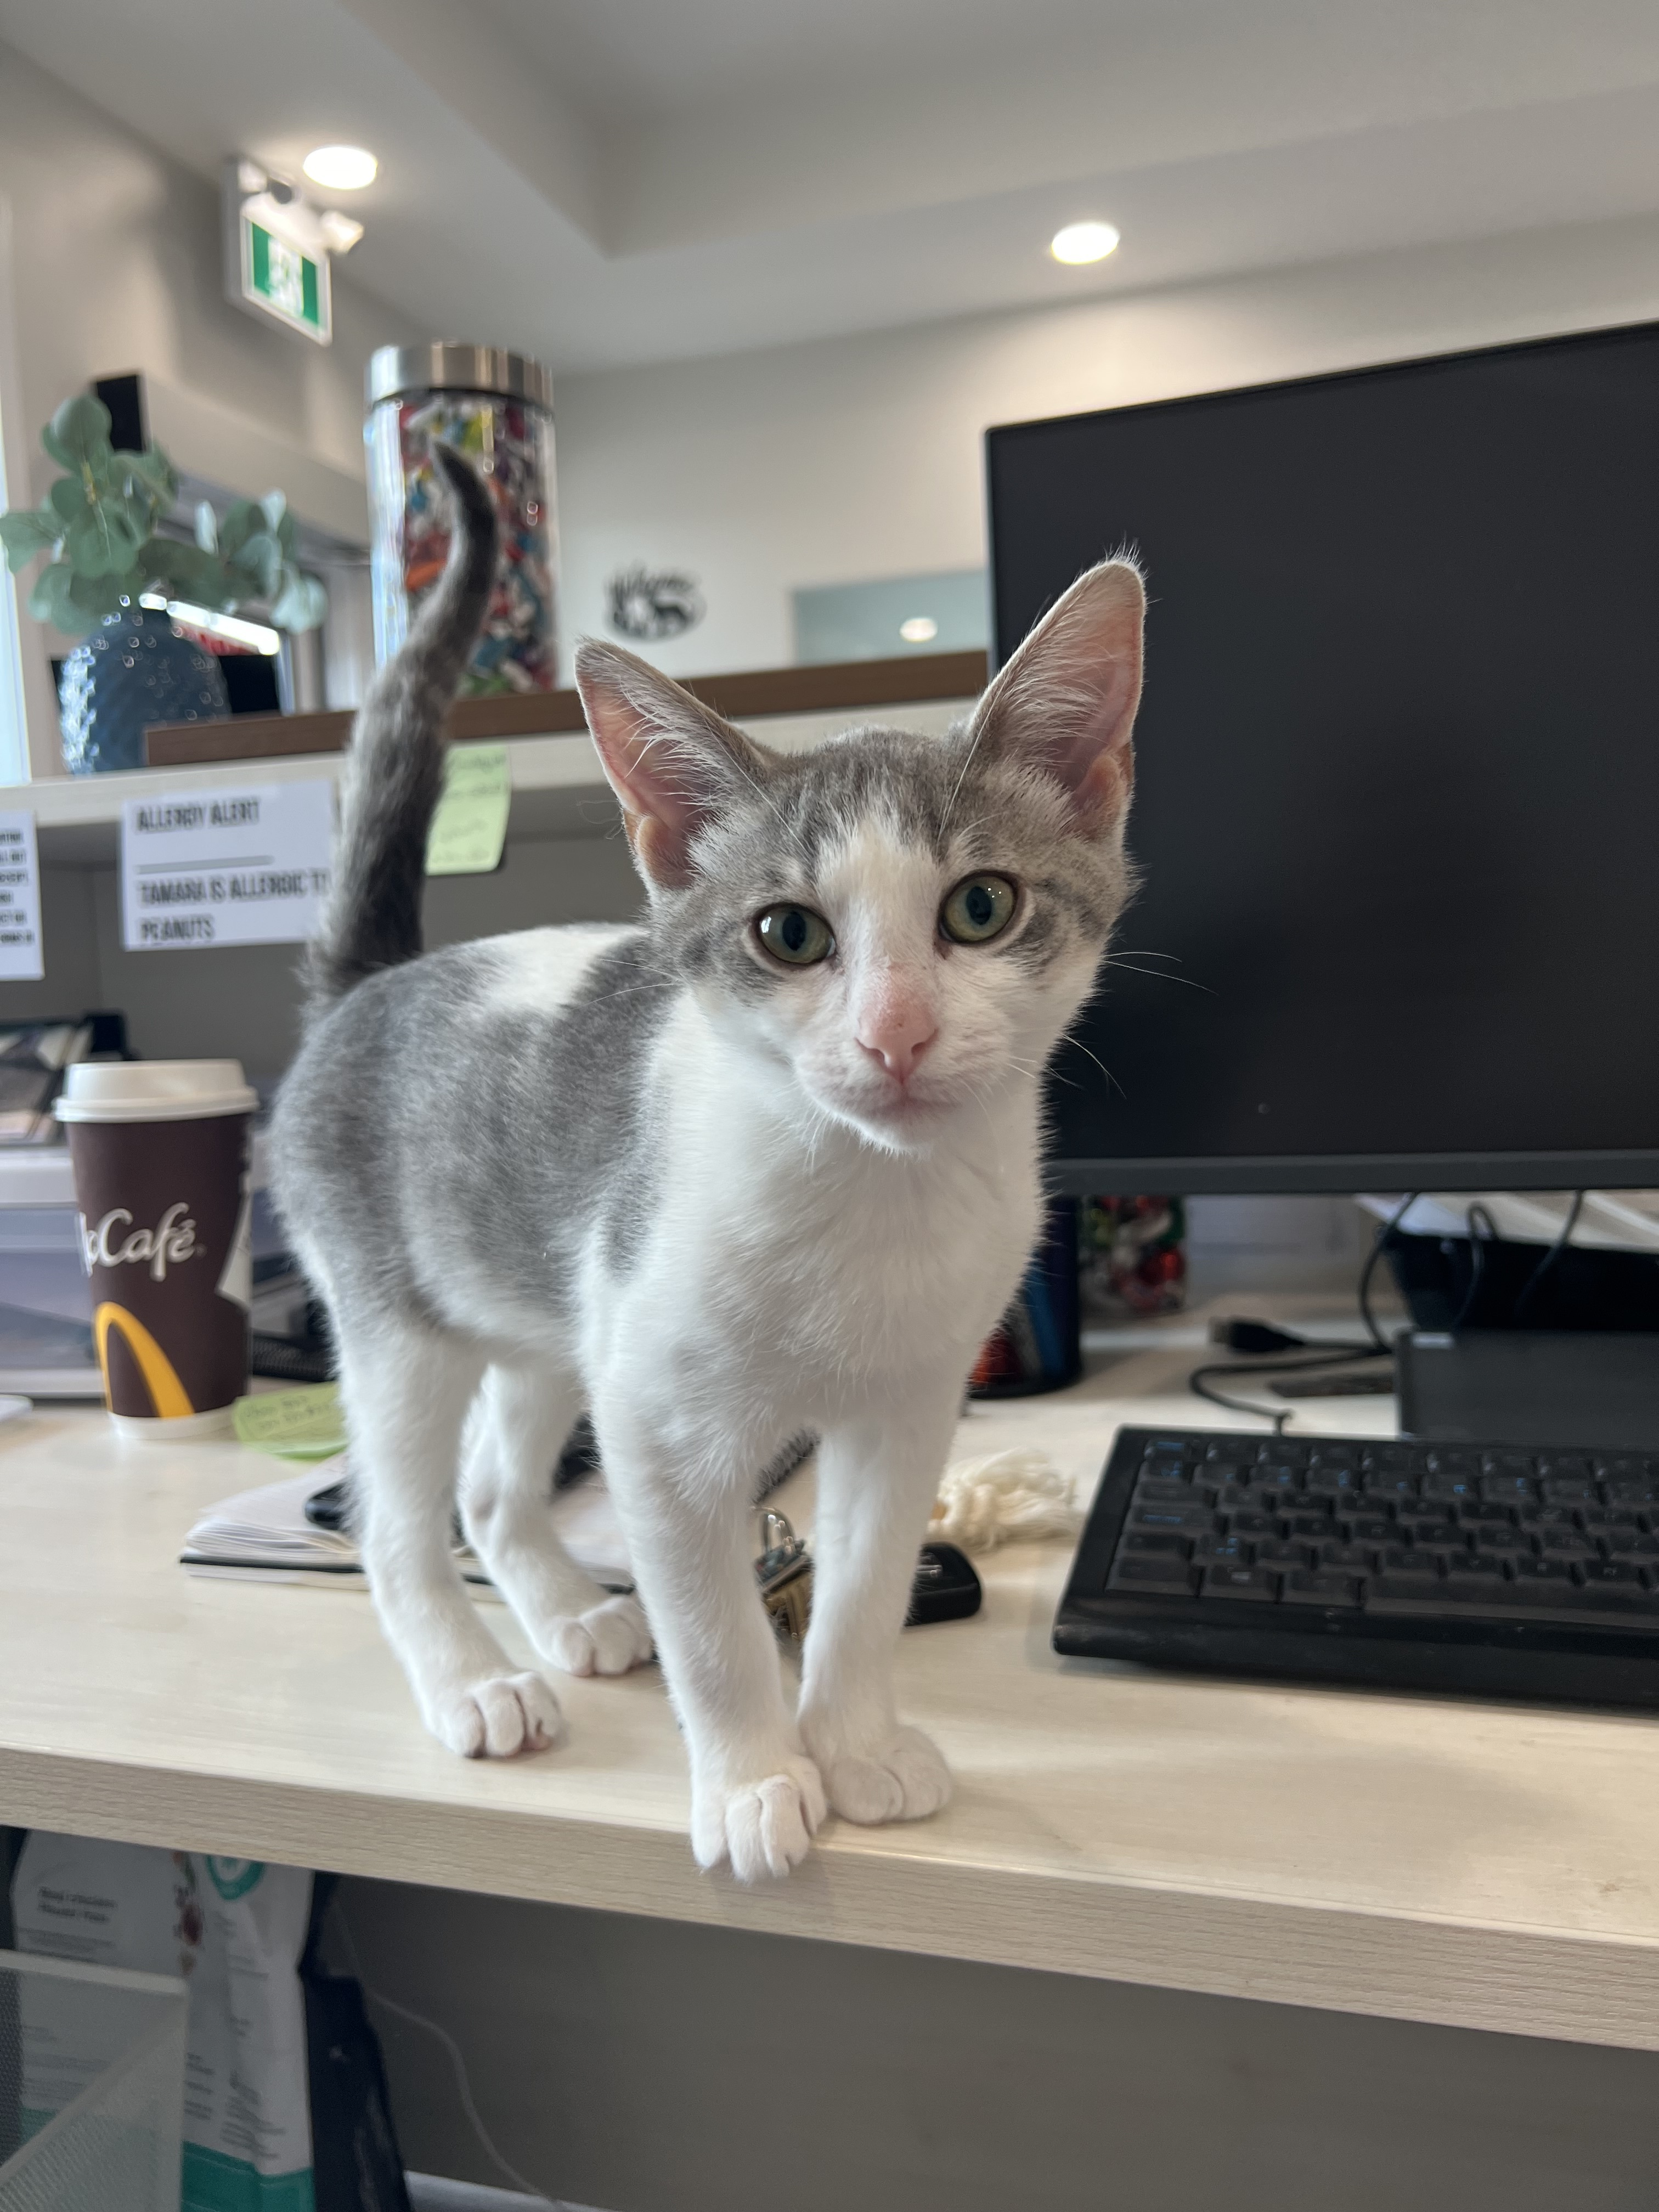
(286, 281)
(276, 253)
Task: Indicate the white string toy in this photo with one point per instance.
(1010, 1498)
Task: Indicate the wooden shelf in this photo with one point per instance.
(831, 688)
(557, 788)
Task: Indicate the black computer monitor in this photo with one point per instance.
(1397, 797)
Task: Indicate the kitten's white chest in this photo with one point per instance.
(818, 1280)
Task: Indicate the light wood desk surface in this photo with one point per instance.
(1474, 1864)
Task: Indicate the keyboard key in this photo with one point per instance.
(1232, 1551)
(1156, 1547)
(1548, 1516)
(1465, 1586)
(1336, 1482)
(1165, 1490)
(1306, 1588)
(1313, 1525)
(1356, 1556)
(1221, 1469)
(1442, 1544)
(1256, 1583)
(1507, 1462)
(1535, 1570)
(1562, 1465)
(1451, 1459)
(1566, 1489)
(1279, 1451)
(1448, 1484)
(1610, 1531)
(1643, 1552)
(1632, 1489)
(1162, 1578)
(1565, 1544)
(1275, 1481)
(1608, 1575)
(1390, 1459)
(1410, 1566)
(1194, 1520)
(1277, 1551)
(1252, 1524)
(1369, 1528)
(1399, 1487)
(1479, 1518)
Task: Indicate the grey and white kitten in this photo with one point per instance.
(765, 1163)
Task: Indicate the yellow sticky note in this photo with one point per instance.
(470, 827)
(304, 1424)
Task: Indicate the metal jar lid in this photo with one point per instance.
(444, 367)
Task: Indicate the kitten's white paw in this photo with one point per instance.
(764, 1827)
(498, 1717)
(607, 1639)
(905, 1780)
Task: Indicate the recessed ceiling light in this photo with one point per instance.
(341, 169)
(1077, 242)
(918, 629)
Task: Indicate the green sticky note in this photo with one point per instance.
(305, 1424)
(470, 827)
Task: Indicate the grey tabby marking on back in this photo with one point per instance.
(764, 1165)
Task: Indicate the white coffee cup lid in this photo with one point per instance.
(154, 1090)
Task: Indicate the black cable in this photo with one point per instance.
(1341, 1355)
(1548, 1260)
(1381, 1343)
(1313, 1356)
(1477, 1260)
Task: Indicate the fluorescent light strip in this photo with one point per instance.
(230, 627)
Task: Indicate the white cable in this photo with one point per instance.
(464, 2086)
(464, 2089)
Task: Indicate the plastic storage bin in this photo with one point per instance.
(92, 2087)
(496, 408)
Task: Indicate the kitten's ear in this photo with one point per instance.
(1066, 702)
(673, 763)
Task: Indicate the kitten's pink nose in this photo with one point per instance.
(897, 1031)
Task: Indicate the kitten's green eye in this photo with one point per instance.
(980, 909)
(795, 935)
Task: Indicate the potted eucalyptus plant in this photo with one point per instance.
(102, 528)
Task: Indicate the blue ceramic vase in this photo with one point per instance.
(136, 668)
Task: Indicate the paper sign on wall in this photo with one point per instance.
(470, 827)
(225, 867)
(21, 958)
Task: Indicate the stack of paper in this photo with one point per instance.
(264, 1536)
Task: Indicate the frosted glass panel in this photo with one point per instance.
(890, 615)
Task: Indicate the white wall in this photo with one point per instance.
(115, 265)
(861, 457)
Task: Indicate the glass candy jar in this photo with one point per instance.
(495, 408)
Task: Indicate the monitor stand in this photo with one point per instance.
(1583, 1387)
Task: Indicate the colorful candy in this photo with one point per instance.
(510, 442)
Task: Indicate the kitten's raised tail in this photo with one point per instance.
(394, 765)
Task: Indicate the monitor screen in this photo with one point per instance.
(1397, 781)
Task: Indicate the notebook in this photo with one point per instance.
(264, 1536)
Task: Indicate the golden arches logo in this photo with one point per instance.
(167, 1393)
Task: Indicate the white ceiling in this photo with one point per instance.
(600, 181)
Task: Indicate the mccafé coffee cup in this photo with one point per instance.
(160, 1151)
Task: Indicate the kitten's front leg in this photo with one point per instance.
(878, 1477)
(756, 1797)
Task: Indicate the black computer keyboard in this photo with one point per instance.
(1485, 1569)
